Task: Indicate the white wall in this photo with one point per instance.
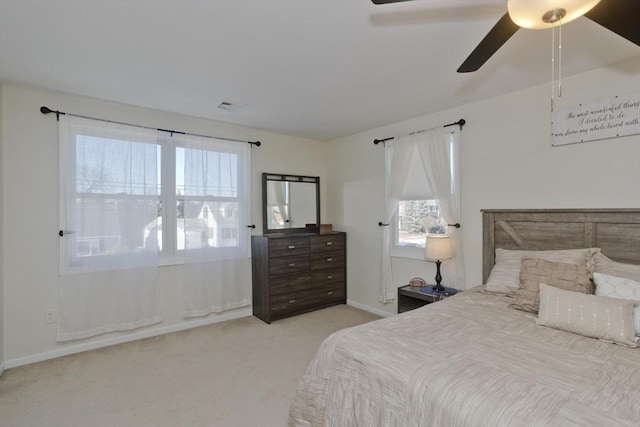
(507, 161)
(30, 243)
(1, 237)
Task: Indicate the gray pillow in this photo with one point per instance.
(570, 277)
(505, 274)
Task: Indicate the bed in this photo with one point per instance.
(471, 360)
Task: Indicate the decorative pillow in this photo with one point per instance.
(570, 277)
(505, 275)
(604, 265)
(618, 287)
(604, 318)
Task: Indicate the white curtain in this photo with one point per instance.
(216, 215)
(109, 202)
(438, 150)
(397, 160)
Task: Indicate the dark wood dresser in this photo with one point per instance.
(297, 273)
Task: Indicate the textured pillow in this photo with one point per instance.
(505, 274)
(604, 265)
(588, 315)
(570, 277)
(618, 287)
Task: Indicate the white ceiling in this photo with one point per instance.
(319, 69)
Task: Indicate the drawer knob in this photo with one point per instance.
(291, 301)
(291, 247)
(292, 264)
(329, 259)
(330, 293)
(329, 243)
(329, 277)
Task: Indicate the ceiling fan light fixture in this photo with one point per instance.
(540, 14)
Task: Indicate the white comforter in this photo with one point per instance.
(467, 361)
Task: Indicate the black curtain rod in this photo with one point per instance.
(460, 123)
(47, 110)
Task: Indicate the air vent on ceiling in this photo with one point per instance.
(232, 106)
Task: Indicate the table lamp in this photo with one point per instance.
(437, 248)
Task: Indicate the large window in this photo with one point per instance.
(129, 193)
(134, 198)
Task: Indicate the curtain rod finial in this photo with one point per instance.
(46, 110)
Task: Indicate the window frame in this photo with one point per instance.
(70, 262)
(167, 199)
(168, 149)
(170, 253)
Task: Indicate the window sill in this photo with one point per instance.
(410, 253)
(167, 261)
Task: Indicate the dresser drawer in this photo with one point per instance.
(323, 260)
(288, 246)
(299, 300)
(305, 281)
(288, 265)
(330, 242)
(296, 273)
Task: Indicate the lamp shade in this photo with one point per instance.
(530, 13)
(438, 247)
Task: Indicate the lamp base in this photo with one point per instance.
(438, 287)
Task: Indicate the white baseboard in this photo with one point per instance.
(369, 309)
(77, 348)
(1, 368)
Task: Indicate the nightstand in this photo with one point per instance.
(410, 298)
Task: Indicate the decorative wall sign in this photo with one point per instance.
(607, 118)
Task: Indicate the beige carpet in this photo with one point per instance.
(238, 373)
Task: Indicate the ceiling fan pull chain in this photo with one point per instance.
(560, 59)
(553, 68)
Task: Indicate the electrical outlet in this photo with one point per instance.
(50, 316)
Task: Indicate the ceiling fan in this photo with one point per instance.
(619, 16)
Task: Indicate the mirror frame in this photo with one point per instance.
(289, 178)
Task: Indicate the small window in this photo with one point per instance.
(418, 214)
(417, 218)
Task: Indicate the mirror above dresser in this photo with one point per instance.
(290, 203)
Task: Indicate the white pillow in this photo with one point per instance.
(621, 288)
(608, 319)
(505, 274)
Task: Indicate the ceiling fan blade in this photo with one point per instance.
(387, 1)
(619, 16)
(499, 34)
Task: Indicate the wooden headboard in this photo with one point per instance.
(615, 231)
